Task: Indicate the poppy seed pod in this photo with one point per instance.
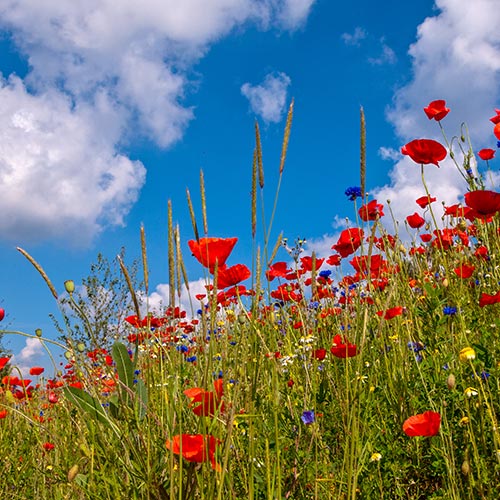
(69, 286)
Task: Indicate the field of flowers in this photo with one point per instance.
(373, 372)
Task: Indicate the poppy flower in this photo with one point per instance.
(423, 201)
(195, 448)
(486, 154)
(277, 270)
(48, 446)
(3, 413)
(437, 110)
(212, 251)
(306, 263)
(425, 151)
(487, 300)
(483, 202)
(319, 354)
(342, 349)
(391, 313)
(415, 221)
(349, 241)
(423, 424)
(496, 131)
(230, 276)
(371, 211)
(2, 314)
(36, 370)
(464, 271)
(3, 362)
(334, 260)
(496, 118)
(206, 403)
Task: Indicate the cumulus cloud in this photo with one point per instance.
(355, 37)
(386, 56)
(94, 65)
(268, 99)
(456, 57)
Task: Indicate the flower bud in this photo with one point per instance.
(69, 285)
(450, 381)
(72, 473)
(81, 347)
(38, 332)
(68, 355)
(465, 467)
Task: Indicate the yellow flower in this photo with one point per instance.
(470, 391)
(467, 354)
(376, 457)
(464, 421)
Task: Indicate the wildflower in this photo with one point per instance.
(3, 413)
(308, 417)
(487, 300)
(48, 446)
(342, 349)
(425, 151)
(349, 241)
(376, 457)
(212, 251)
(467, 354)
(423, 424)
(464, 421)
(486, 154)
(2, 314)
(484, 203)
(496, 130)
(36, 370)
(371, 211)
(423, 201)
(464, 271)
(496, 119)
(195, 448)
(319, 354)
(3, 362)
(277, 270)
(470, 392)
(206, 403)
(437, 110)
(415, 221)
(391, 313)
(353, 192)
(230, 276)
(449, 310)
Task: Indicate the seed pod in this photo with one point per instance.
(465, 467)
(450, 381)
(72, 473)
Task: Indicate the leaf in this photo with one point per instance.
(86, 403)
(141, 401)
(124, 365)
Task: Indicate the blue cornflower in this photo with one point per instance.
(353, 192)
(416, 346)
(325, 274)
(449, 310)
(308, 417)
(498, 144)
(485, 375)
(182, 348)
(191, 359)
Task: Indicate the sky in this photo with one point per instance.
(110, 109)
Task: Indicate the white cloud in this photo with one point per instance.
(389, 153)
(268, 99)
(355, 37)
(98, 69)
(387, 56)
(456, 57)
(60, 174)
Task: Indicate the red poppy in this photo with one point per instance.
(371, 211)
(2, 314)
(48, 446)
(426, 237)
(391, 313)
(212, 251)
(334, 260)
(464, 271)
(423, 424)
(487, 300)
(425, 151)
(483, 202)
(423, 201)
(415, 221)
(306, 263)
(373, 265)
(230, 276)
(195, 448)
(3, 362)
(481, 252)
(342, 349)
(319, 354)
(36, 370)
(277, 270)
(436, 110)
(496, 118)
(486, 154)
(496, 131)
(206, 403)
(349, 241)
(3, 413)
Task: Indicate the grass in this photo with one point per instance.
(281, 415)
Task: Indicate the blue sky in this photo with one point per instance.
(110, 110)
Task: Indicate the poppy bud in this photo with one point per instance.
(69, 285)
(68, 354)
(242, 319)
(72, 473)
(450, 381)
(38, 332)
(2, 314)
(446, 282)
(465, 467)
(81, 347)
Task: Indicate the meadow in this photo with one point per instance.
(370, 373)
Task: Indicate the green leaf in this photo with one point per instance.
(141, 401)
(124, 366)
(86, 403)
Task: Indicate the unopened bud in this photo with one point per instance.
(38, 332)
(446, 282)
(465, 467)
(81, 347)
(69, 286)
(72, 473)
(68, 355)
(450, 381)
